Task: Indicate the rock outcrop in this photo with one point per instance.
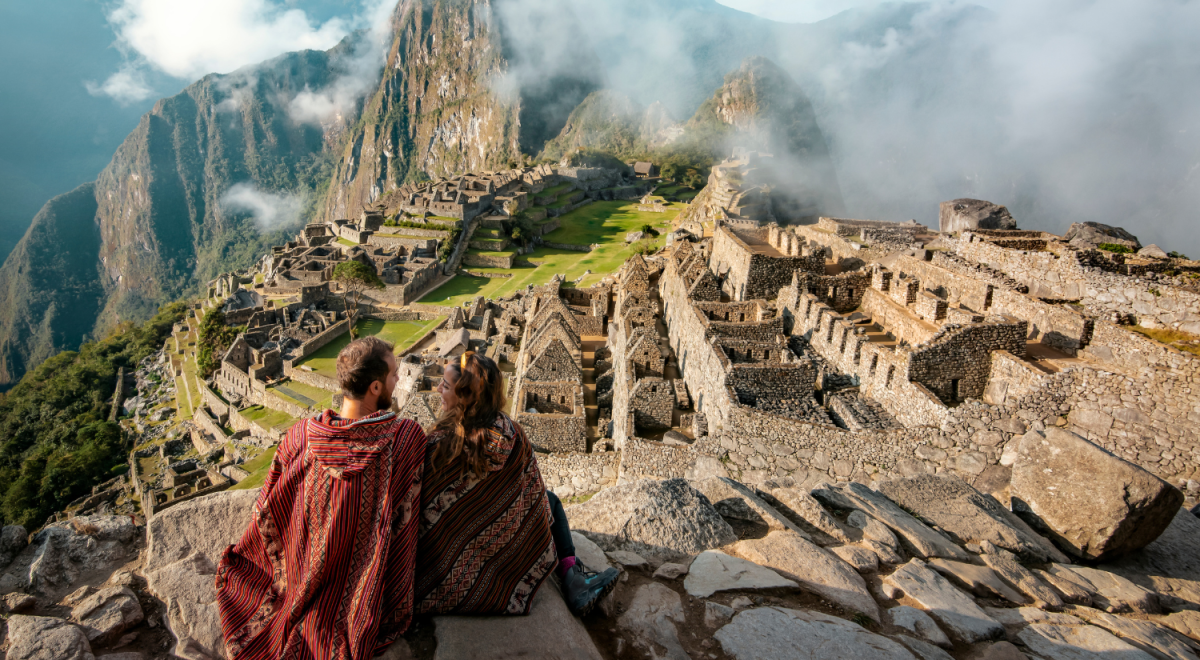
(1093, 504)
(967, 214)
(181, 566)
(664, 519)
(1091, 235)
(62, 552)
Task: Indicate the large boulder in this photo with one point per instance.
(186, 542)
(967, 515)
(1091, 235)
(65, 552)
(1094, 505)
(967, 214)
(107, 613)
(664, 519)
(46, 638)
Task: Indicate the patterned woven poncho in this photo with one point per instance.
(485, 545)
(325, 569)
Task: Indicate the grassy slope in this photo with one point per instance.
(603, 223)
(401, 333)
(258, 468)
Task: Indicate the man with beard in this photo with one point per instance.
(325, 568)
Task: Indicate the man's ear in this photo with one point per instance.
(375, 389)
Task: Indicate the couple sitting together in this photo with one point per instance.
(364, 521)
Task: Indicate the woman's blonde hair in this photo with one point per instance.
(462, 429)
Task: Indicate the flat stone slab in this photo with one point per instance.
(1051, 642)
(814, 568)
(1071, 592)
(628, 559)
(968, 516)
(979, 580)
(1020, 617)
(864, 560)
(1186, 623)
(1113, 591)
(734, 500)
(650, 620)
(1146, 635)
(955, 611)
(919, 539)
(715, 571)
(550, 632)
(775, 633)
(799, 506)
(922, 649)
(1023, 579)
(919, 624)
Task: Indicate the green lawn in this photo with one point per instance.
(258, 468)
(346, 242)
(603, 223)
(553, 190)
(493, 253)
(606, 222)
(302, 394)
(268, 418)
(487, 233)
(401, 333)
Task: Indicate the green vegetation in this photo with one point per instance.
(268, 418)
(1178, 255)
(346, 242)
(407, 224)
(602, 223)
(356, 278)
(1174, 338)
(1116, 248)
(55, 440)
(215, 339)
(303, 395)
(258, 467)
(446, 247)
(402, 334)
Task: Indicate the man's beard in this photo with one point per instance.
(386, 402)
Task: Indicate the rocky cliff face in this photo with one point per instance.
(462, 91)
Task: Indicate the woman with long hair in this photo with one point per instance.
(490, 532)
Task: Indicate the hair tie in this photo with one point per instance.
(462, 365)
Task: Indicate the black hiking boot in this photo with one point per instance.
(583, 589)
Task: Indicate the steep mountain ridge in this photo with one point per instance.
(457, 95)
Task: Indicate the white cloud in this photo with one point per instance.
(270, 210)
(126, 86)
(357, 74)
(190, 39)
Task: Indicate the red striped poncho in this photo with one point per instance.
(325, 569)
(485, 545)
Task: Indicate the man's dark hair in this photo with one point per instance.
(362, 362)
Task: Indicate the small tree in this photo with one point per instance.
(355, 278)
(215, 338)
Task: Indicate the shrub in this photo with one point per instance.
(1116, 248)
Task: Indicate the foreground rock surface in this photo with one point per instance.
(651, 621)
(181, 566)
(663, 519)
(63, 552)
(771, 633)
(955, 612)
(1116, 509)
(46, 638)
(967, 515)
(550, 632)
(1055, 642)
(919, 539)
(815, 568)
(715, 571)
